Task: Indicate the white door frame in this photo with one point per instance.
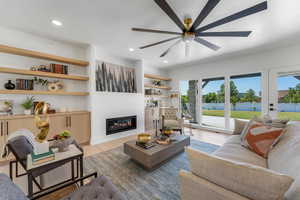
(273, 87)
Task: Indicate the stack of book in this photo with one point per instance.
(24, 84)
(42, 158)
(58, 68)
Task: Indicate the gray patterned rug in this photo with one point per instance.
(135, 182)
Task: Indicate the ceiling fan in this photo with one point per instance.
(190, 31)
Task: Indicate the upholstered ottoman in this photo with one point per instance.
(98, 189)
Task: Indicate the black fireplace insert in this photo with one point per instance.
(120, 124)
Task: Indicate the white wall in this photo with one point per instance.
(109, 105)
(28, 41)
(258, 62)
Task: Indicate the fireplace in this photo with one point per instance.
(120, 124)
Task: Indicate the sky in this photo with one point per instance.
(244, 84)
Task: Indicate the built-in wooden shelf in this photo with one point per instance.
(44, 74)
(156, 96)
(34, 92)
(162, 87)
(156, 77)
(40, 55)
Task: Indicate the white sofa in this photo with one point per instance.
(283, 161)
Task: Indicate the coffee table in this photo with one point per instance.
(152, 158)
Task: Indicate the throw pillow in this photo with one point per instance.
(260, 138)
(266, 119)
(248, 180)
(239, 126)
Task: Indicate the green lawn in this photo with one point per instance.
(251, 114)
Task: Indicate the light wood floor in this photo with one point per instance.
(89, 150)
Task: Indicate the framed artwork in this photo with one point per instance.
(115, 78)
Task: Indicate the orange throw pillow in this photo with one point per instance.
(261, 138)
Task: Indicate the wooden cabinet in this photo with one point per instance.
(78, 123)
(13, 125)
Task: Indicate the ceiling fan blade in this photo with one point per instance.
(161, 42)
(169, 11)
(207, 44)
(155, 31)
(170, 48)
(255, 9)
(211, 4)
(224, 34)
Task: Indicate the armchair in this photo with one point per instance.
(169, 118)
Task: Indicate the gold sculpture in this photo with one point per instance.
(42, 125)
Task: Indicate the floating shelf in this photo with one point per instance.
(162, 87)
(156, 77)
(44, 74)
(40, 55)
(156, 96)
(34, 92)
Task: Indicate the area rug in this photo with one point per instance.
(135, 182)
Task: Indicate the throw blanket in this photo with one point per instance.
(22, 132)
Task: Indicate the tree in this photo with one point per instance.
(234, 94)
(250, 96)
(293, 95)
(210, 98)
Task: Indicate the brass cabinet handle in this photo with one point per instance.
(6, 127)
(1, 128)
(70, 121)
(67, 122)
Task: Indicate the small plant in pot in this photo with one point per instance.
(28, 105)
(62, 141)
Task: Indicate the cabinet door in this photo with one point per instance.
(81, 127)
(149, 124)
(13, 125)
(58, 124)
(2, 135)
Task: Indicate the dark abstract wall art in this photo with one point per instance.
(115, 78)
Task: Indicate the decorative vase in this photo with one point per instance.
(9, 85)
(27, 112)
(63, 144)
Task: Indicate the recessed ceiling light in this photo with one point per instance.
(165, 61)
(131, 49)
(56, 22)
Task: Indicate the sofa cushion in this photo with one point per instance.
(285, 158)
(238, 153)
(247, 180)
(171, 123)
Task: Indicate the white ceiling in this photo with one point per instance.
(108, 24)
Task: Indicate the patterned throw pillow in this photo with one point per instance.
(260, 138)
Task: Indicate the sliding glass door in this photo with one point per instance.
(284, 93)
(245, 97)
(220, 100)
(229, 97)
(189, 102)
(213, 102)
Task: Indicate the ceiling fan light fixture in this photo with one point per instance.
(189, 37)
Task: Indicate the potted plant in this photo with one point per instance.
(62, 141)
(27, 105)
